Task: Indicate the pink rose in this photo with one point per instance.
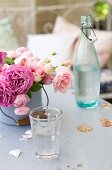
(20, 78)
(27, 54)
(12, 54)
(21, 60)
(48, 68)
(22, 110)
(21, 50)
(7, 96)
(21, 100)
(63, 80)
(48, 79)
(2, 57)
(38, 77)
(25, 61)
(37, 68)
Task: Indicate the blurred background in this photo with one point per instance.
(38, 16)
(45, 26)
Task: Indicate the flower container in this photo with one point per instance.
(12, 119)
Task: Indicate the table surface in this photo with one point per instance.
(91, 150)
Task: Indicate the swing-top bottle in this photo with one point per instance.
(86, 68)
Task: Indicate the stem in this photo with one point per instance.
(46, 95)
(7, 115)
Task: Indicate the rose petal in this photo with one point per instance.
(106, 122)
(106, 105)
(28, 132)
(84, 128)
(28, 135)
(23, 139)
(15, 152)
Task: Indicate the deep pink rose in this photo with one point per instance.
(63, 80)
(19, 78)
(48, 79)
(7, 96)
(2, 56)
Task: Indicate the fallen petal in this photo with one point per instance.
(28, 132)
(23, 139)
(27, 136)
(15, 152)
(106, 105)
(106, 122)
(84, 128)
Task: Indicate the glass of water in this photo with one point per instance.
(45, 125)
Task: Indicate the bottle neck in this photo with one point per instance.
(86, 32)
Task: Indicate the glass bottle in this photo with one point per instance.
(86, 68)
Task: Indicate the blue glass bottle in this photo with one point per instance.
(86, 68)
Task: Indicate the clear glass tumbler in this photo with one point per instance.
(45, 125)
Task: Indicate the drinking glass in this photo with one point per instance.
(45, 125)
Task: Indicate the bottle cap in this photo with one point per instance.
(86, 21)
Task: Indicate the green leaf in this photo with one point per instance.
(35, 87)
(54, 69)
(9, 61)
(29, 94)
(47, 61)
(54, 53)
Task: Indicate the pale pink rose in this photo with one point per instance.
(48, 79)
(21, 100)
(25, 61)
(38, 77)
(63, 80)
(22, 110)
(27, 54)
(48, 68)
(31, 61)
(12, 54)
(21, 60)
(37, 69)
(21, 50)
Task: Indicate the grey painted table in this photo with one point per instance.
(93, 149)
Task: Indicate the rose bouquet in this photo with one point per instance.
(21, 74)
